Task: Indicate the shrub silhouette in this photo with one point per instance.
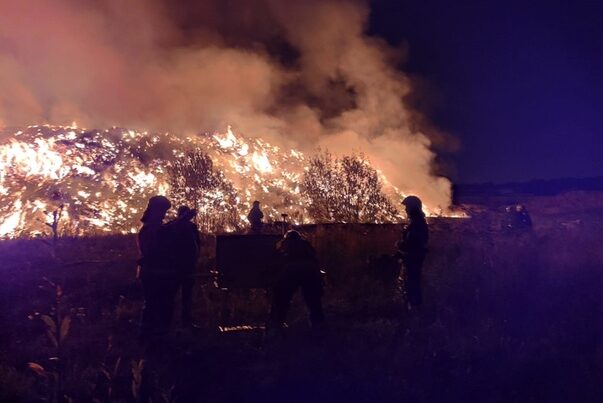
(345, 190)
(195, 182)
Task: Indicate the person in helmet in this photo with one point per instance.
(158, 279)
(412, 248)
(298, 268)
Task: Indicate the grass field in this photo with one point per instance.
(507, 317)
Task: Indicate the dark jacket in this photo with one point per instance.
(413, 244)
(185, 245)
(154, 257)
(255, 217)
(297, 253)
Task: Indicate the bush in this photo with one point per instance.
(346, 190)
(194, 182)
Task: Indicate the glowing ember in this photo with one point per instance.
(37, 159)
(261, 162)
(11, 221)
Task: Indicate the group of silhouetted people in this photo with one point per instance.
(170, 254)
(517, 218)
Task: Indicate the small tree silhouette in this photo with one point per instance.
(53, 224)
(345, 190)
(194, 181)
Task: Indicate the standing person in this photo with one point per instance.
(255, 218)
(186, 247)
(158, 278)
(412, 248)
(298, 267)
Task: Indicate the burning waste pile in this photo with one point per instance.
(98, 181)
(293, 77)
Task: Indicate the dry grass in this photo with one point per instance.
(507, 316)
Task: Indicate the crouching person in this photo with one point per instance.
(298, 268)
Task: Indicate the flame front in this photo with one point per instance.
(100, 181)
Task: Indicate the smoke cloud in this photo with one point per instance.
(301, 74)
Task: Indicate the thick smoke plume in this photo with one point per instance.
(301, 74)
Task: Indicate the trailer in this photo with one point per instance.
(245, 261)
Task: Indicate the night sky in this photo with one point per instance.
(519, 83)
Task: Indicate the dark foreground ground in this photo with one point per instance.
(507, 317)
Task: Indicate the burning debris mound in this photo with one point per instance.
(98, 181)
(269, 67)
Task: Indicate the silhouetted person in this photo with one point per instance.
(518, 217)
(255, 218)
(158, 277)
(298, 268)
(412, 249)
(186, 245)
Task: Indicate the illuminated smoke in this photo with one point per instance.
(299, 75)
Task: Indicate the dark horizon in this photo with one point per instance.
(559, 180)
